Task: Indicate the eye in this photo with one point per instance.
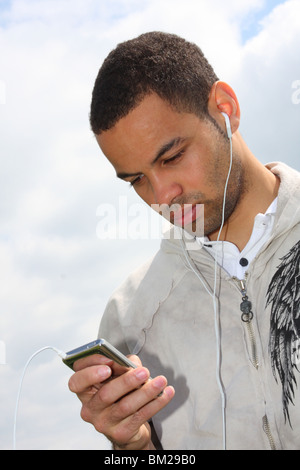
(174, 158)
(136, 180)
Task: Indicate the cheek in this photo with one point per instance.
(193, 175)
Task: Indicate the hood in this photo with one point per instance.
(288, 208)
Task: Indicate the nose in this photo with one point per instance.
(165, 190)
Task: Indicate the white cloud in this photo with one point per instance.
(56, 274)
(267, 70)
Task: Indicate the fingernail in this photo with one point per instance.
(159, 382)
(104, 372)
(141, 374)
(169, 391)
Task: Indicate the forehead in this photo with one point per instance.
(149, 126)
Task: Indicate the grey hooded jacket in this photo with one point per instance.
(164, 313)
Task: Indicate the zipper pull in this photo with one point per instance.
(246, 305)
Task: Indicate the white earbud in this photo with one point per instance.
(227, 123)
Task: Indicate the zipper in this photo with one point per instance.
(254, 357)
(247, 317)
(267, 430)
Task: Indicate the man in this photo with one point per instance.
(215, 317)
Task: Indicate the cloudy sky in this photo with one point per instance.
(57, 270)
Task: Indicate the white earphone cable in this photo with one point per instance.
(217, 313)
(214, 293)
(61, 354)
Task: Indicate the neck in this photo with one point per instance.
(261, 189)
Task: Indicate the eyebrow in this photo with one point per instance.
(164, 149)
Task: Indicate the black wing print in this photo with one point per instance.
(284, 294)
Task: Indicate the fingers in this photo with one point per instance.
(135, 420)
(100, 359)
(121, 419)
(124, 384)
(136, 360)
(95, 359)
(95, 369)
(87, 379)
(141, 403)
(117, 400)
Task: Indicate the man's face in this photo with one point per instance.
(174, 159)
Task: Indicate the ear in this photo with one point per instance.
(223, 99)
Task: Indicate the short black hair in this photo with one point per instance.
(155, 62)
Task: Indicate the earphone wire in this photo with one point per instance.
(217, 312)
(214, 297)
(61, 354)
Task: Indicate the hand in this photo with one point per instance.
(119, 401)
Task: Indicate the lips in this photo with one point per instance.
(190, 217)
(185, 215)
